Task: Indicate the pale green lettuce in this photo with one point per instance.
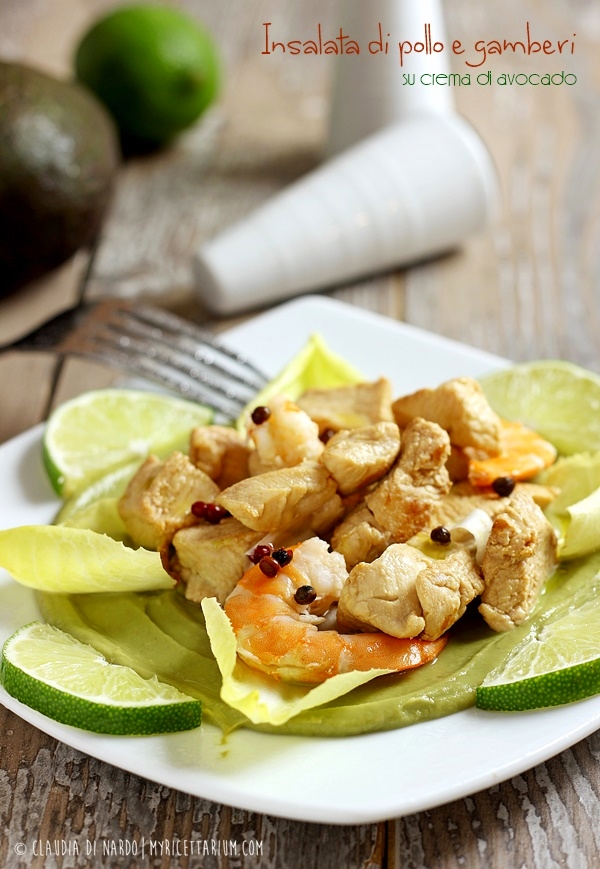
(575, 513)
(315, 366)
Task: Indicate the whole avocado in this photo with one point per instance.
(59, 156)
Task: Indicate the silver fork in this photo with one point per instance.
(155, 345)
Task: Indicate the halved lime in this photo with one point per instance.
(559, 400)
(557, 662)
(71, 682)
(77, 561)
(99, 431)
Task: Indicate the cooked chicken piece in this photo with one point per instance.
(360, 456)
(457, 464)
(220, 452)
(358, 537)
(542, 495)
(210, 559)
(519, 556)
(458, 406)
(444, 589)
(463, 498)
(279, 499)
(323, 519)
(158, 499)
(383, 595)
(287, 437)
(405, 501)
(349, 406)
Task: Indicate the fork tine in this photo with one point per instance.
(158, 346)
(132, 362)
(170, 322)
(164, 356)
(176, 350)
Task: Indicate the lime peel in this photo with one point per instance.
(557, 662)
(156, 69)
(76, 560)
(68, 681)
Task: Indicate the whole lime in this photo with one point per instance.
(155, 68)
(59, 156)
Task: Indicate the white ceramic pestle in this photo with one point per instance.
(412, 190)
(372, 89)
(408, 178)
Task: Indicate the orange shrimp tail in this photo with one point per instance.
(377, 650)
(523, 454)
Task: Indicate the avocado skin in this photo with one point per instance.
(59, 156)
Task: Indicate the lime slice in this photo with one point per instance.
(557, 662)
(76, 561)
(70, 682)
(110, 485)
(101, 516)
(316, 365)
(559, 400)
(99, 431)
(96, 506)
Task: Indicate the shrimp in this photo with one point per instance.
(281, 637)
(287, 437)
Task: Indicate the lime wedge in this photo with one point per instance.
(557, 662)
(101, 516)
(76, 561)
(70, 682)
(111, 485)
(99, 431)
(316, 365)
(559, 400)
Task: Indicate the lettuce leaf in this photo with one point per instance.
(315, 366)
(575, 513)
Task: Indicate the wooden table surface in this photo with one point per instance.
(527, 288)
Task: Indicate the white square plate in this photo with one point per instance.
(355, 780)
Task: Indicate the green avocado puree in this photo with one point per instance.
(161, 633)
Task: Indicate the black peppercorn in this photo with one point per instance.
(282, 556)
(504, 486)
(441, 535)
(260, 414)
(305, 594)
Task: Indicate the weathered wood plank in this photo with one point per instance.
(51, 793)
(527, 288)
(546, 817)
